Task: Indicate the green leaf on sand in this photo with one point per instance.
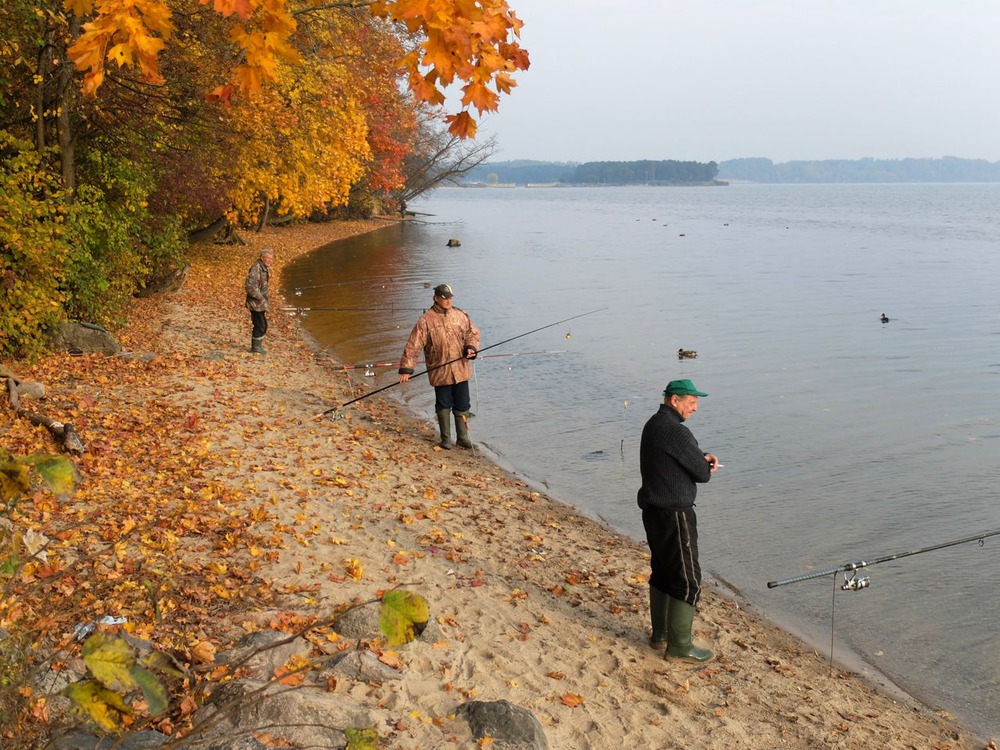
(403, 616)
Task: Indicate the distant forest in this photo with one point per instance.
(947, 169)
(594, 173)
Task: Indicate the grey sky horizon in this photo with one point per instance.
(712, 80)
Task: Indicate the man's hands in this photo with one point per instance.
(471, 352)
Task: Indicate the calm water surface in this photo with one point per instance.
(842, 439)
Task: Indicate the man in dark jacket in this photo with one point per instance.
(259, 297)
(672, 465)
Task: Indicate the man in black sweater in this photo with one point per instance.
(671, 465)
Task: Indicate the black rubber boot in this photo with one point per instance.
(658, 607)
(680, 618)
(462, 429)
(444, 423)
(257, 345)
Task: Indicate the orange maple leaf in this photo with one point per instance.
(461, 125)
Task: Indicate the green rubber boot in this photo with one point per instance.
(462, 429)
(680, 618)
(257, 345)
(444, 422)
(658, 606)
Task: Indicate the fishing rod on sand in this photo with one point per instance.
(452, 361)
(856, 583)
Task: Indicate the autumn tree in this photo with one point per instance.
(158, 116)
(472, 43)
(438, 157)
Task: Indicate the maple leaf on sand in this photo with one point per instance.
(571, 699)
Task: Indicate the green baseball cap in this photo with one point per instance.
(682, 388)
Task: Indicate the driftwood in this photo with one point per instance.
(64, 433)
(167, 282)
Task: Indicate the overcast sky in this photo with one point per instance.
(712, 80)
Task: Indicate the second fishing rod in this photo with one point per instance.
(452, 361)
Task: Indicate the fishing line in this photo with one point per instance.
(623, 430)
(475, 381)
(457, 359)
(833, 610)
(391, 308)
(465, 419)
(369, 367)
(624, 477)
(298, 289)
(587, 427)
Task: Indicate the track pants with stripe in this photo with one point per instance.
(673, 543)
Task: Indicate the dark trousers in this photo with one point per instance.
(259, 320)
(454, 397)
(673, 543)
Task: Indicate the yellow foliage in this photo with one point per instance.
(403, 616)
(104, 707)
(301, 144)
(110, 660)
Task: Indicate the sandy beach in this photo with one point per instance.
(533, 602)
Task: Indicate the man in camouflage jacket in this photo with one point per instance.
(449, 339)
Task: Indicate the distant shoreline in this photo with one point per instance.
(491, 186)
(947, 169)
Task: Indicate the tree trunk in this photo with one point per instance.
(43, 72)
(204, 235)
(263, 214)
(67, 98)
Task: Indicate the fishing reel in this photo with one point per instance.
(855, 582)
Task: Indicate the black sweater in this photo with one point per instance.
(670, 463)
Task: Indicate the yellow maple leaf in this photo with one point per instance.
(353, 568)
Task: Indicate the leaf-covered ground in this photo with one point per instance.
(213, 505)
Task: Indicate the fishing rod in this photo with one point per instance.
(391, 308)
(856, 583)
(298, 289)
(452, 361)
(369, 367)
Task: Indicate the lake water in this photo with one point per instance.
(842, 438)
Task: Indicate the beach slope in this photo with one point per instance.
(529, 601)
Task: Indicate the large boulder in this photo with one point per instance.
(513, 726)
(84, 338)
(361, 623)
(306, 716)
(264, 652)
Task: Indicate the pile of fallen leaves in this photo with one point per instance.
(152, 540)
(149, 537)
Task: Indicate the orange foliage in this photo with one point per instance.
(474, 42)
